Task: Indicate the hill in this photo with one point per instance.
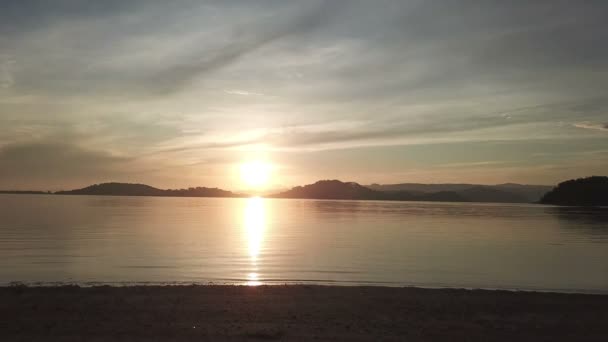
(115, 189)
(508, 192)
(126, 189)
(24, 192)
(490, 194)
(590, 191)
(335, 189)
(331, 189)
(532, 193)
(440, 196)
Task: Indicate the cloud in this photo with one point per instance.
(7, 66)
(184, 80)
(592, 126)
(487, 163)
(242, 93)
(243, 40)
(528, 121)
(138, 48)
(48, 164)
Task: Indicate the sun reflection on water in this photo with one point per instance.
(254, 222)
(252, 279)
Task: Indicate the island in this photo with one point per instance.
(335, 189)
(590, 191)
(127, 189)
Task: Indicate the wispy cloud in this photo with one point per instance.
(592, 126)
(52, 164)
(7, 67)
(191, 81)
(488, 163)
(242, 92)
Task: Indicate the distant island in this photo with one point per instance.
(335, 189)
(508, 192)
(590, 191)
(25, 192)
(585, 191)
(332, 189)
(126, 189)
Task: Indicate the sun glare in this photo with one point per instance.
(255, 174)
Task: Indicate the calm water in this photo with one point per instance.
(174, 240)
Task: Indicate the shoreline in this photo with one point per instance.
(246, 196)
(296, 312)
(245, 283)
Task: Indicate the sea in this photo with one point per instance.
(96, 240)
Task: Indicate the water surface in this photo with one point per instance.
(96, 239)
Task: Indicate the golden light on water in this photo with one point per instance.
(254, 223)
(253, 279)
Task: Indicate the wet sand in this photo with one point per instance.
(296, 312)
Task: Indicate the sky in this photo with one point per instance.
(180, 93)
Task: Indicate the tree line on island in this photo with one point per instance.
(126, 189)
(334, 189)
(590, 191)
(584, 191)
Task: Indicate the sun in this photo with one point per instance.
(255, 174)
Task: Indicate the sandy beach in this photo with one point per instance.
(296, 312)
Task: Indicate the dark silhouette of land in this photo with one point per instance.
(590, 191)
(296, 313)
(523, 192)
(332, 189)
(585, 191)
(126, 189)
(335, 189)
(25, 192)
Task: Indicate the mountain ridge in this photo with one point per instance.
(530, 193)
(336, 189)
(136, 189)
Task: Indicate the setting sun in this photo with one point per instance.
(255, 174)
